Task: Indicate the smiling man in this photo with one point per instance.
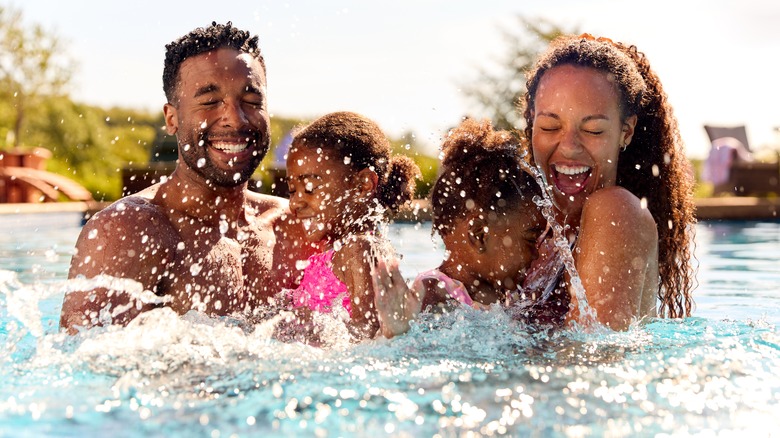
(199, 240)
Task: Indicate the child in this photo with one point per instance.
(343, 184)
(483, 209)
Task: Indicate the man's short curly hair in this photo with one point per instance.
(203, 40)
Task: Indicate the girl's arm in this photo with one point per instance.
(352, 265)
(395, 302)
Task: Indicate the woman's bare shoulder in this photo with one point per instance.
(617, 206)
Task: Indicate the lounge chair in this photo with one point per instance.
(731, 167)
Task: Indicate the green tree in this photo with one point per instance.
(33, 65)
(496, 92)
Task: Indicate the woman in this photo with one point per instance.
(603, 134)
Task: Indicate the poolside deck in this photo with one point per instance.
(721, 208)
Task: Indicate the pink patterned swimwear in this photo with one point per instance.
(319, 287)
(454, 288)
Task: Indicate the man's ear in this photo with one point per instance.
(478, 229)
(367, 180)
(171, 119)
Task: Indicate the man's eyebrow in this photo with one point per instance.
(209, 88)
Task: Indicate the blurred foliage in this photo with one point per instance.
(90, 144)
(33, 66)
(497, 89)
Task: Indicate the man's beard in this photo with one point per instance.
(197, 159)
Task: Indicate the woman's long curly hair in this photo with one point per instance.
(653, 167)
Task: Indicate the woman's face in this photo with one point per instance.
(578, 133)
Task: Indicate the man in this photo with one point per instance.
(199, 240)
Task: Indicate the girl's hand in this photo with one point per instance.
(395, 303)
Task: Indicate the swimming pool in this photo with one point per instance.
(470, 371)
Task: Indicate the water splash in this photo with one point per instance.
(587, 316)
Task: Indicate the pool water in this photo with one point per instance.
(469, 372)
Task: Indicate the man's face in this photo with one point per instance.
(220, 116)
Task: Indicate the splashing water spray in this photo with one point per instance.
(587, 314)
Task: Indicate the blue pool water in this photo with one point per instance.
(470, 372)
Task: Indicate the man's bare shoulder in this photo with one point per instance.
(131, 208)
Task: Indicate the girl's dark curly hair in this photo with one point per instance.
(203, 40)
(356, 137)
(481, 170)
(653, 167)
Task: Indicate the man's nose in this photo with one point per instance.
(233, 115)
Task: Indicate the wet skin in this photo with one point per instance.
(333, 202)
(577, 135)
(201, 239)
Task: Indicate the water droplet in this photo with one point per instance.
(92, 234)
(186, 147)
(223, 227)
(51, 255)
(180, 246)
(195, 269)
(201, 162)
(203, 125)
(144, 238)
(236, 176)
(347, 160)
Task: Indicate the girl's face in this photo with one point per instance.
(578, 133)
(511, 246)
(322, 195)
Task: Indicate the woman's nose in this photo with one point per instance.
(570, 141)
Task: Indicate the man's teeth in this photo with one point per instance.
(229, 147)
(572, 170)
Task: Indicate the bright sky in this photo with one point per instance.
(401, 62)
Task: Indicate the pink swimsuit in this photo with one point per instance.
(454, 288)
(320, 288)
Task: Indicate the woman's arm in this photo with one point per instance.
(617, 257)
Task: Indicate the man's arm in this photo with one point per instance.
(129, 240)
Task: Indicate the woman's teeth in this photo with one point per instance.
(572, 170)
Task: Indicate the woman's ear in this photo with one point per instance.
(367, 180)
(478, 234)
(628, 129)
(171, 119)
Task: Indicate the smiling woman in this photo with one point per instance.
(604, 136)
